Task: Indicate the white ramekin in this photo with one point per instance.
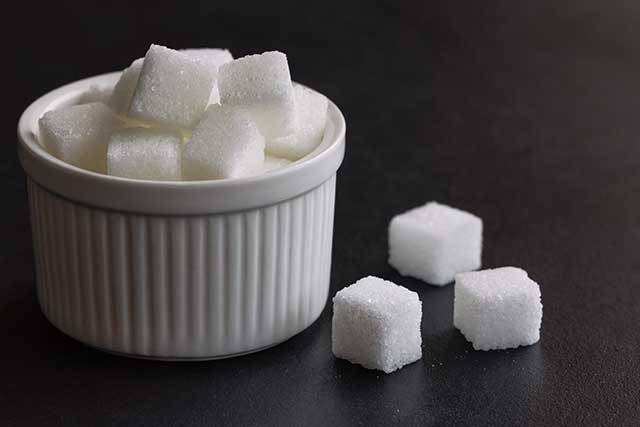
(180, 270)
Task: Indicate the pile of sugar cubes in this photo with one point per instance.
(376, 323)
(193, 114)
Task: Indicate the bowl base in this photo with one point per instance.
(177, 358)
(184, 359)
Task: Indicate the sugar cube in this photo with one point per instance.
(498, 308)
(141, 153)
(376, 324)
(125, 87)
(79, 134)
(225, 144)
(273, 163)
(173, 89)
(214, 58)
(260, 85)
(95, 94)
(434, 242)
(311, 118)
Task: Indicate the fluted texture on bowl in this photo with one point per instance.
(183, 286)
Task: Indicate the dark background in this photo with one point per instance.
(526, 113)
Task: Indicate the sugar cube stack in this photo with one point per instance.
(164, 96)
(261, 86)
(434, 242)
(120, 100)
(79, 134)
(173, 89)
(140, 153)
(376, 324)
(225, 144)
(498, 308)
(311, 118)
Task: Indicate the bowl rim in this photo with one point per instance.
(170, 197)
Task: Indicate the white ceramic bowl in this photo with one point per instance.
(180, 270)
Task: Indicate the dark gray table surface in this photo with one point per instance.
(525, 113)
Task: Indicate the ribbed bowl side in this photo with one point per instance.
(183, 286)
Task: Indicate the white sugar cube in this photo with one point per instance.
(260, 85)
(311, 118)
(225, 144)
(273, 163)
(95, 94)
(376, 324)
(79, 134)
(497, 309)
(141, 153)
(173, 89)
(434, 242)
(125, 87)
(214, 58)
